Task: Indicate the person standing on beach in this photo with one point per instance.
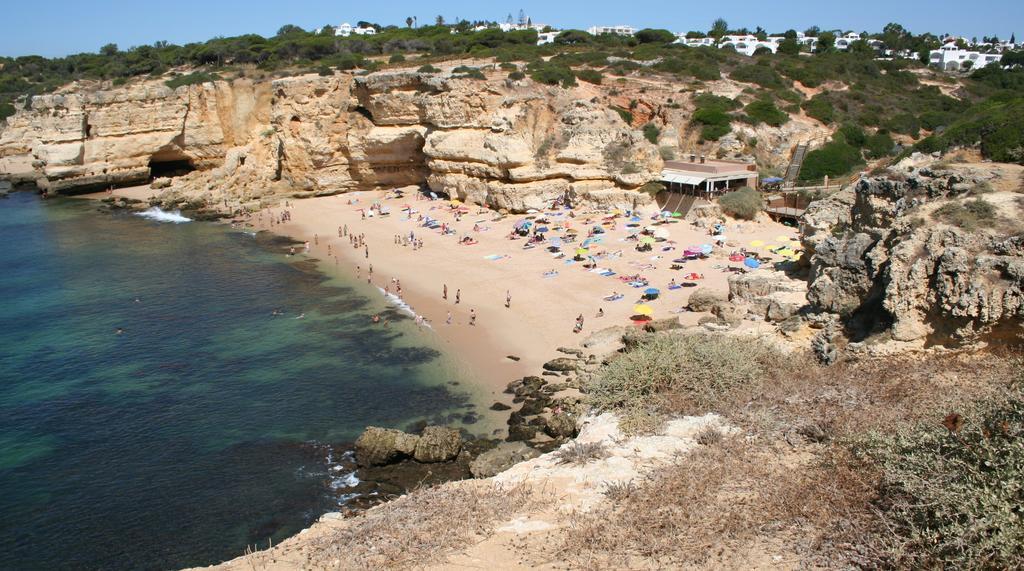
(458, 296)
(444, 293)
(508, 299)
(366, 249)
(448, 321)
(472, 317)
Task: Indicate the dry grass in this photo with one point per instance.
(423, 527)
(715, 502)
(579, 453)
(791, 486)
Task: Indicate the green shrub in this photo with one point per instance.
(626, 115)
(507, 66)
(996, 125)
(676, 374)
(950, 494)
(651, 133)
(428, 69)
(744, 203)
(396, 58)
(765, 111)
(819, 108)
(6, 110)
(904, 123)
(969, 215)
(589, 75)
(852, 134)
(762, 75)
(714, 132)
(551, 74)
(667, 153)
(516, 75)
(651, 36)
(192, 79)
(834, 159)
(878, 145)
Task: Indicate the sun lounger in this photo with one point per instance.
(616, 297)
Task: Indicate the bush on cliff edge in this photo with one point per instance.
(744, 203)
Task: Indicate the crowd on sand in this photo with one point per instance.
(624, 247)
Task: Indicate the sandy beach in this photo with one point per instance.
(548, 292)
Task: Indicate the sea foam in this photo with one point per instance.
(159, 215)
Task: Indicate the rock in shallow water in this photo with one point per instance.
(380, 446)
(438, 444)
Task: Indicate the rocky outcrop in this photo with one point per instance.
(437, 444)
(514, 147)
(381, 446)
(501, 458)
(883, 260)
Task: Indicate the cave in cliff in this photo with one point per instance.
(169, 162)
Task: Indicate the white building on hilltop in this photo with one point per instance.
(951, 58)
(346, 30)
(617, 30)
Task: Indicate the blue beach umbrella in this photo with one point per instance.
(652, 291)
(751, 263)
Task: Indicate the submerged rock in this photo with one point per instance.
(560, 364)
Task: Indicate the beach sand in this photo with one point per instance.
(543, 309)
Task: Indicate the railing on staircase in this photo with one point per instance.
(795, 164)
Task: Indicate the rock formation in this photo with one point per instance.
(487, 142)
(882, 259)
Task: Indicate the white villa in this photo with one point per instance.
(544, 38)
(843, 42)
(346, 30)
(951, 58)
(617, 30)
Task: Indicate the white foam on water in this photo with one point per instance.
(159, 215)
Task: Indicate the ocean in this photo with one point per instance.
(173, 391)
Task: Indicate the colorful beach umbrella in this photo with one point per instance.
(582, 251)
(677, 215)
(652, 291)
(647, 240)
(757, 244)
(642, 309)
(752, 263)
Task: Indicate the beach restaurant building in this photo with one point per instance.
(707, 178)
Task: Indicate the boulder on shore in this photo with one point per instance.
(501, 458)
(438, 444)
(704, 299)
(381, 446)
(560, 364)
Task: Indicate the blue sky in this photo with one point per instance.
(60, 27)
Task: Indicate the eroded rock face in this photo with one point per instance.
(879, 257)
(501, 458)
(515, 147)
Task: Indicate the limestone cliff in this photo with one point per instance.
(882, 257)
(508, 145)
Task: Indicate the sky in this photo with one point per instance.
(61, 27)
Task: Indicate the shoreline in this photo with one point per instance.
(543, 309)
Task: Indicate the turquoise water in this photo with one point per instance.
(204, 426)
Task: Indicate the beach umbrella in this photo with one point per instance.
(751, 263)
(635, 219)
(455, 202)
(786, 252)
(757, 244)
(647, 240)
(582, 251)
(666, 214)
(783, 238)
(542, 229)
(643, 309)
(706, 248)
(662, 233)
(652, 291)
(677, 214)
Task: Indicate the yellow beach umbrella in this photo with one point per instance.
(787, 252)
(757, 244)
(647, 240)
(582, 251)
(642, 309)
(783, 238)
(455, 202)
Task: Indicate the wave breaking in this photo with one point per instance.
(157, 214)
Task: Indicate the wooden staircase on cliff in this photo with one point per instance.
(795, 164)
